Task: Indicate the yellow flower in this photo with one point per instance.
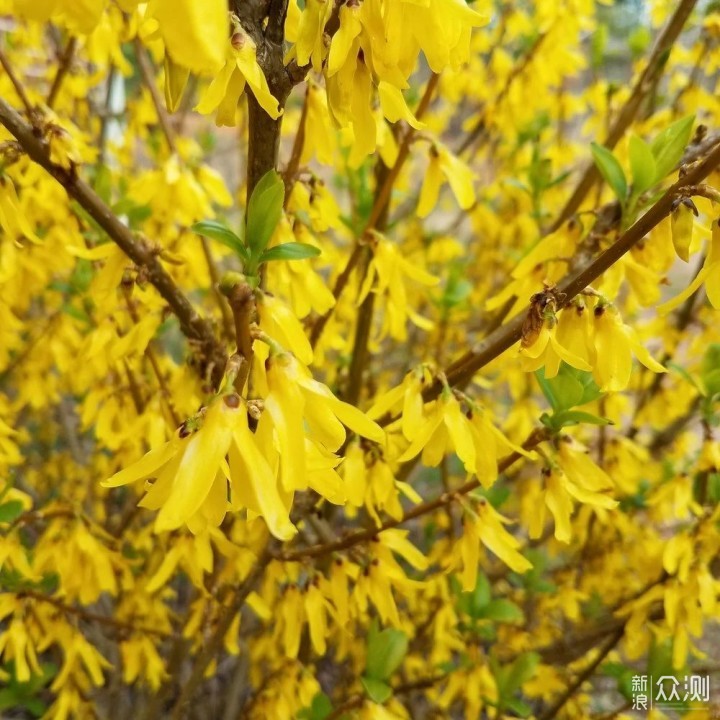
(192, 474)
(445, 425)
(615, 343)
(12, 218)
(444, 166)
(546, 349)
(280, 323)
(194, 33)
(387, 276)
(297, 396)
(241, 67)
(485, 526)
(709, 274)
(576, 477)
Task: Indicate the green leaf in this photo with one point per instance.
(567, 389)
(710, 369)
(610, 169)
(598, 43)
(319, 708)
(669, 145)
(217, 231)
(546, 388)
(639, 40)
(290, 251)
(577, 417)
(264, 212)
(521, 671)
(376, 690)
(502, 610)
(473, 602)
(642, 165)
(385, 652)
(10, 511)
(520, 708)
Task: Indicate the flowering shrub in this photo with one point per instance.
(412, 416)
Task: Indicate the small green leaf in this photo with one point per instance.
(598, 44)
(264, 211)
(10, 511)
(567, 389)
(502, 610)
(639, 40)
(385, 651)
(521, 671)
(473, 602)
(319, 708)
(710, 369)
(376, 690)
(669, 145)
(217, 231)
(546, 388)
(290, 251)
(520, 708)
(566, 418)
(642, 164)
(610, 169)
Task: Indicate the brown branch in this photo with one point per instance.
(198, 331)
(359, 536)
(62, 70)
(586, 674)
(297, 148)
(507, 335)
(118, 625)
(19, 89)
(148, 76)
(480, 127)
(242, 303)
(643, 85)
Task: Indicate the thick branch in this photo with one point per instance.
(194, 327)
(506, 336)
(653, 68)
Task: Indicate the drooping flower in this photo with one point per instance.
(241, 68)
(192, 474)
(615, 344)
(709, 274)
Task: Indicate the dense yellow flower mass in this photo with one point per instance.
(358, 358)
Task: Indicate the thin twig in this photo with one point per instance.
(119, 625)
(297, 149)
(19, 89)
(605, 650)
(643, 85)
(62, 70)
(535, 438)
(195, 328)
(148, 76)
(214, 643)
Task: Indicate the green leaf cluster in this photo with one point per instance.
(649, 163)
(569, 389)
(386, 650)
(510, 679)
(264, 211)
